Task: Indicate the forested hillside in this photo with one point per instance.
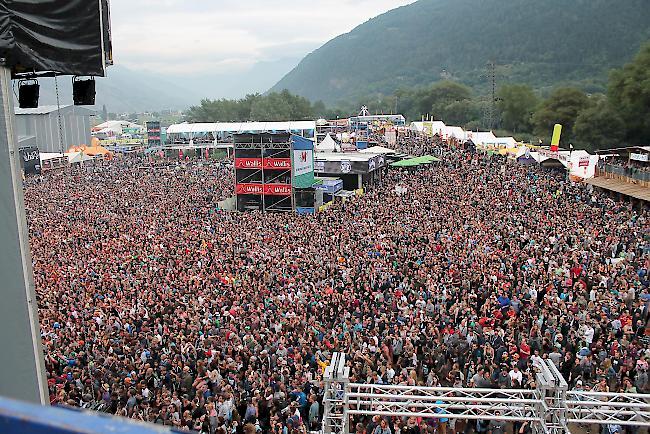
(543, 43)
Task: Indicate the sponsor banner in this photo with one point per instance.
(268, 163)
(330, 187)
(303, 162)
(639, 157)
(277, 189)
(248, 163)
(554, 155)
(584, 161)
(555, 140)
(345, 167)
(266, 189)
(277, 163)
(30, 160)
(249, 189)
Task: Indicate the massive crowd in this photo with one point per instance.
(157, 306)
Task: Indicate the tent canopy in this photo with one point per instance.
(327, 145)
(412, 162)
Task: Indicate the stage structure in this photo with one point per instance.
(271, 169)
(550, 408)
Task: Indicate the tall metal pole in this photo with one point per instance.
(23, 371)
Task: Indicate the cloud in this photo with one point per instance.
(221, 36)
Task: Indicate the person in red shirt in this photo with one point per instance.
(524, 350)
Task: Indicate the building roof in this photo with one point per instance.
(377, 150)
(241, 127)
(47, 109)
(343, 156)
(624, 148)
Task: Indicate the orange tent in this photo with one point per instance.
(92, 150)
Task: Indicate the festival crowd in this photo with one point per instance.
(157, 306)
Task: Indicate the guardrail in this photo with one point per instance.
(630, 175)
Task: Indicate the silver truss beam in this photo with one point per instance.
(550, 408)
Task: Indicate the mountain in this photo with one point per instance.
(126, 90)
(539, 42)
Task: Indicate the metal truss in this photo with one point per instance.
(549, 408)
(630, 409)
(435, 402)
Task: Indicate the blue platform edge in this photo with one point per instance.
(17, 417)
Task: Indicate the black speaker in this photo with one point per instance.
(83, 92)
(28, 94)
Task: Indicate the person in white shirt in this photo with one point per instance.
(516, 375)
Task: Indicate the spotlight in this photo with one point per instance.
(83, 91)
(28, 91)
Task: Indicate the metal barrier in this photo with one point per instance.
(550, 408)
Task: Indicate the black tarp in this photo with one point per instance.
(63, 36)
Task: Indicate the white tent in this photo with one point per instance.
(482, 138)
(77, 157)
(453, 132)
(327, 145)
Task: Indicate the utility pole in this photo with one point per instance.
(493, 78)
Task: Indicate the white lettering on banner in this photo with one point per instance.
(638, 157)
(346, 166)
(303, 162)
(29, 156)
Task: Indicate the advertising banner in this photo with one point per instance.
(639, 157)
(265, 189)
(555, 140)
(277, 163)
(277, 190)
(30, 160)
(249, 189)
(248, 163)
(345, 167)
(303, 162)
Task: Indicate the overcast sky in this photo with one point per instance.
(225, 36)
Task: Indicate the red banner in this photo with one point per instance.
(268, 163)
(266, 189)
(248, 163)
(249, 189)
(277, 163)
(277, 189)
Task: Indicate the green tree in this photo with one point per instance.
(629, 94)
(459, 112)
(599, 126)
(562, 107)
(516, 105)
(434, 99)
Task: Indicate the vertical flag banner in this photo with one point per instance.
(555, 141)
(303, 162)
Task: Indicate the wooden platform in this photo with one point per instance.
(633, 190)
